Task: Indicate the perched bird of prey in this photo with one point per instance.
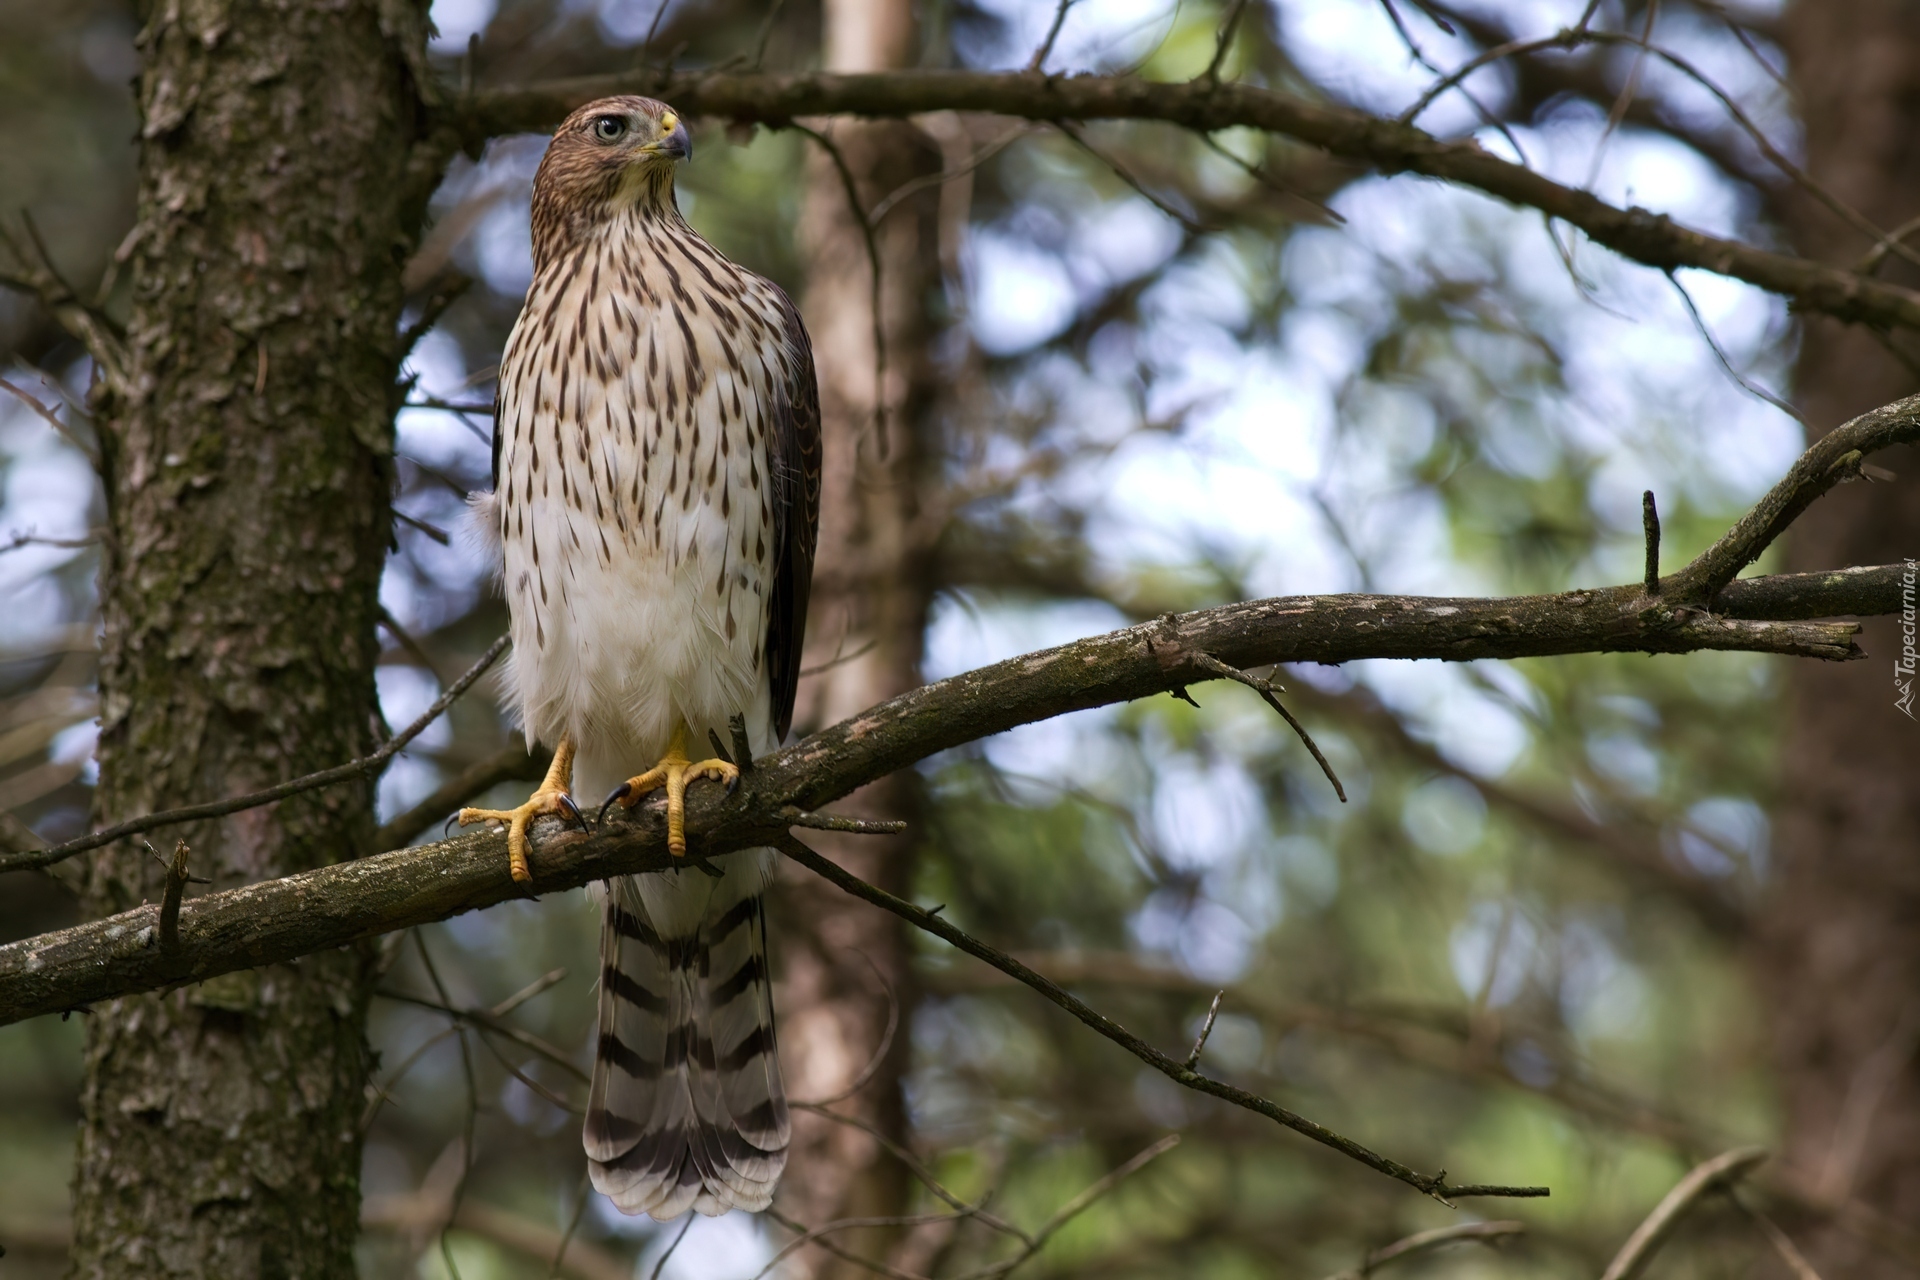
(656, 470)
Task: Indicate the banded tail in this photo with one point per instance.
(687, 1110)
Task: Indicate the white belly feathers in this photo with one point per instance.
(635, 499)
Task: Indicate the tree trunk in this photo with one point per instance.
(248, 465)
(871, 593)
(1838, 949)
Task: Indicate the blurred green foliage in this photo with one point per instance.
(1460, 967)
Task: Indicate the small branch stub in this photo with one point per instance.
(1206, 1029)
(170, 899)
(1650, 521)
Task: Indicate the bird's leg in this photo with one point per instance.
(553, 795)
(673, 772)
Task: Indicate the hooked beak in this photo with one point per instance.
(676, 145)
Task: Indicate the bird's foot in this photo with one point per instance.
(552, 796)
(673, 772)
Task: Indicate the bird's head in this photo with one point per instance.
(610, 155)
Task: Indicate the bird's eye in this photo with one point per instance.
(609, 128)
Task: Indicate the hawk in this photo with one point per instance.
(656, 490)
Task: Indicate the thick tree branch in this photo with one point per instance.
(280, 920)
(1203, 106)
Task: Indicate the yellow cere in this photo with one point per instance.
(668, 121)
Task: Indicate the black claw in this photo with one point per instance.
(573, 810)
(742, 752)
(620, 792)
(448, 829)
(733, 784)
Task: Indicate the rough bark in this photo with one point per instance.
(1838, 955)
(248, 469)
(870, 599)
(276, 921)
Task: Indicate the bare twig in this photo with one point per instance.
(880, 1052)
(840, 660)
(52, 419)
(1491, 1233)
(1075, 1207)
(1267, 180)
(1870, 262)
(433, 531)
(914, 1165)
(821, 1232)
(1721, 1171)
(1206, 1029)
(31, 539)
(653, 29)
(37, 275)
(524, 1236)
(1489, 118)
(766, 30)
(472, 1109)
(220, 808)
(834, 822)
(1795, 1261)
(661, 1265)
(489, 1020)
(1752, 388)
(875, 302)
(1224, 41)
(450, 406)
(842, 1252)
(1433, 1185)
(1624, 99)
(1126, 176)
(1569, 39)
(582, 1196)
(1040, 55)
(916, 185)
(1265, 689)
(414, 649)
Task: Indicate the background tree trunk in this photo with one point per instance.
(248, 471)
(1839, 949)
(872, 589)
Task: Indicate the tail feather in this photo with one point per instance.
(686, 1109)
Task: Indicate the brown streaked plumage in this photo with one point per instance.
(656, 495)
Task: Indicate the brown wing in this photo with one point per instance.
(796, 516)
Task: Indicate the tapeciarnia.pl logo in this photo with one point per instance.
(1904, 665)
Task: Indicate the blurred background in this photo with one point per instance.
(1126, 371)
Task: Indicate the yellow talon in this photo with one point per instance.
(674, 772)
(553, 795)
